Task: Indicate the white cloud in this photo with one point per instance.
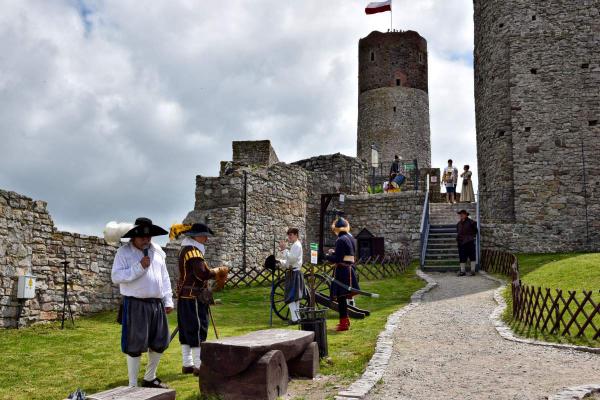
(112, 117)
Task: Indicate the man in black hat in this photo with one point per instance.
(194, 295)
(141, 272)
(466, 234)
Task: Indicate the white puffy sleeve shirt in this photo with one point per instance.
(135, 281)
(292, 258)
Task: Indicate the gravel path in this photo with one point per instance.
(447, 348)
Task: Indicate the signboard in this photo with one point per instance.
(433, 179)
(314, 253)
(374, 158)
(409, 167)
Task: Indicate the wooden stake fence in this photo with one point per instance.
(371, 268)
(553, 311)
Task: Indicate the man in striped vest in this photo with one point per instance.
(195, 295)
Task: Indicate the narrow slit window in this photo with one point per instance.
(585, 65)
(394, 109)
(533, 71)
(398, 83)
(533, 17)
(593, 122)
(527, 129)
(372, 56)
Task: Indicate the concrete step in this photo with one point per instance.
(441, 268)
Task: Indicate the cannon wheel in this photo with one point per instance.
(278, 300)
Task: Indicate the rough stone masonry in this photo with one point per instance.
(537, 98)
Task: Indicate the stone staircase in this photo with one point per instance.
(442, 252)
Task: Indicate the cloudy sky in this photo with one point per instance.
(109, 109)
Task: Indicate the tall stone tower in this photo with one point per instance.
(537, 101)
(393, 103)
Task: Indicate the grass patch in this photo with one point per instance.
(44, 362)
(566, 271)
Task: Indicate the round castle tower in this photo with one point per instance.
(393, 103)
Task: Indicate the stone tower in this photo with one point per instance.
(393, 103)
(537, 100)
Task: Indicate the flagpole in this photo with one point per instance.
(391, 16)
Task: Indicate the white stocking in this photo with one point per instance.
(133, 368)
(473, 266)
(462, 267)
(186, 355)
(293, 306)
(153, 359)
(196, 353)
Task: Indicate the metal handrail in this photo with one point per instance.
(425, 226)
(478, 238)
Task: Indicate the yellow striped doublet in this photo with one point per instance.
(194, 253)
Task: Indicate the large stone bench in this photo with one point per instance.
(133, 393)
(257, 366)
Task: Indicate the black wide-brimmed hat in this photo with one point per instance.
(199, 230)
(144, 227)
(463, 212)
(270, 263)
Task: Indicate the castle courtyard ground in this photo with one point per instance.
(447, 348)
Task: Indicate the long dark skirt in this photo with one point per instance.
(295, 288)
(346, 274)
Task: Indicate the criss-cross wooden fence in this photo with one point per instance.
(562, 312)
(371, 268)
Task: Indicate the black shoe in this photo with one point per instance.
(290, 322)
(187, 370)
(473, 273)
(154, 383)
(461, 273)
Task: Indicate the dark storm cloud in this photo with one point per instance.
(109, 110)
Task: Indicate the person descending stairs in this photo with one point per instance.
(442, 251)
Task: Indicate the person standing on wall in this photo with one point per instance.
(465, 237)
(449, 179)
(344, 258)
(395, 168)
(194, 295)
(291, 261)
(467, 195)
(141, 272)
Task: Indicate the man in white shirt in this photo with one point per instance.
(141, 272)
(291, 260)
(449, 179)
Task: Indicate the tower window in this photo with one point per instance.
(533, 17)
(394, 109)
(585, 65)
(372, 56)
(398, 83)
(527, 129)
(533, 71)
(593, 122)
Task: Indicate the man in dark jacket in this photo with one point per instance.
(466, 235)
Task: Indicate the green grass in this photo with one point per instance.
(566, 271)
(44, 362)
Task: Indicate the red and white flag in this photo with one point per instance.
(378, 6)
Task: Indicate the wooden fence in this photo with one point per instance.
(371, 268)
(555, 311)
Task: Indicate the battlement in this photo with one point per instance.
(254, 152)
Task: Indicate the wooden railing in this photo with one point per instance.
(371, 268)
(555, 311)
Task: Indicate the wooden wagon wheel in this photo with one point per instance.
(278, 300)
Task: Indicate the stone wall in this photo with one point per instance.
(330, 174)
(395, 216)
(397, 121)
(254, 152)
(29, 243)
(393, 103)
(392, 59)
(538, 106)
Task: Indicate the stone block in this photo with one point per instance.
(134, 393)
(307, 365)
(266, 379)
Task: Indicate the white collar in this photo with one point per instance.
(153, 246)
(191, 242)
